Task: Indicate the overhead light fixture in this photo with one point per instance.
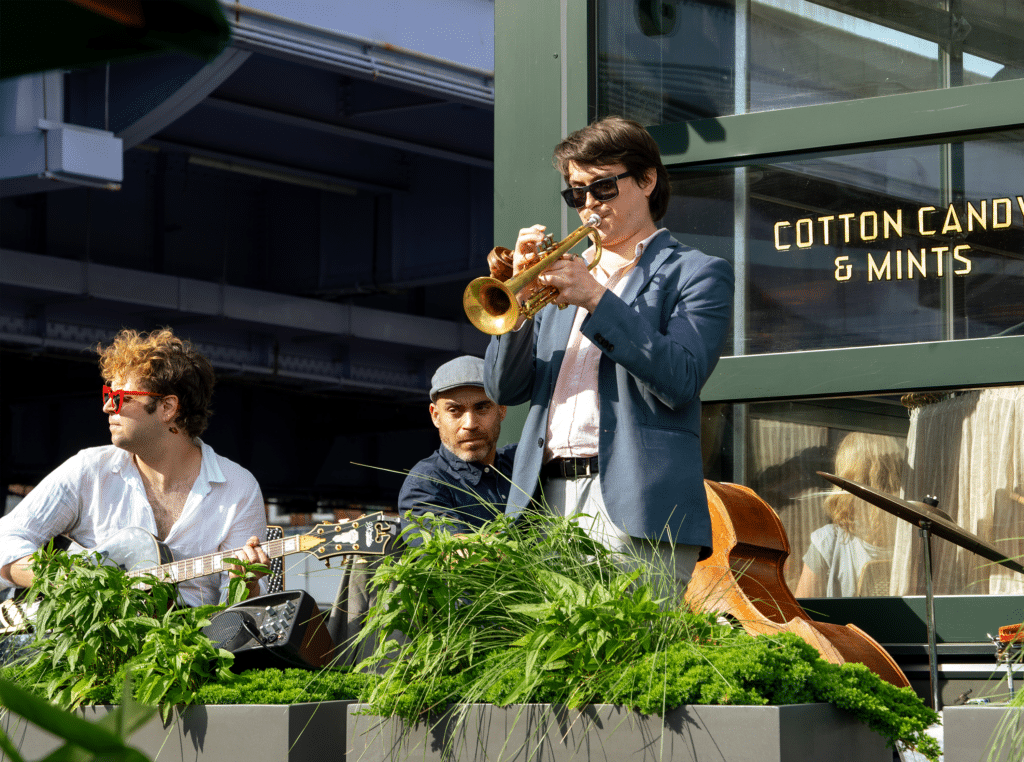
(282, 176)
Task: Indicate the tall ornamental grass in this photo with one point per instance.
(535, 611)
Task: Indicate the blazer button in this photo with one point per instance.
(540, 442)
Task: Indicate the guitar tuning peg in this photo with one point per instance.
(327, 562)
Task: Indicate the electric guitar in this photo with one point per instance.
(139, 553)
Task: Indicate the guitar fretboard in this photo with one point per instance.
(213, 563)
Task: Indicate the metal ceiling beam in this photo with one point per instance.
(185, 98)
(302, 122)
(258, 362)
(313, 317)
(269, 169)
(358, 56)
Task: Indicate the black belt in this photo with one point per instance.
(569, 468)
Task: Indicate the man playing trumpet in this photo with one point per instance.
(613, 431)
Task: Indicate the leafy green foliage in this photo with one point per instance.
(285, 686)
(175, 658)
(84, 741)
(540, 613)
(94, 623)
(896, 713)
(772, 670)
(239, 583)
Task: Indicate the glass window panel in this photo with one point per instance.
(665, 61)
(861, 249)
(961, 447)
(662, 62)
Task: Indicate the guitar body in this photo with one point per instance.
(132, 549)
(743, 578)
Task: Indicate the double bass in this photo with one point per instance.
(743, 579)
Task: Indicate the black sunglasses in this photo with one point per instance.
(604, 189)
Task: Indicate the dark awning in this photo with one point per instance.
(40, 35)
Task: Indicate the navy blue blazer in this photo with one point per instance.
(660, 342)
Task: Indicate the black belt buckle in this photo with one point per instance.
(575, 468)
(579, 467)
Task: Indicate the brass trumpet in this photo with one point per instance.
(491, 305)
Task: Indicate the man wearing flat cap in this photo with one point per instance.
(468, 478)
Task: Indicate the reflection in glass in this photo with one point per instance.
(852, 553)
(962, 447)
(662, 61)
(665, 61)
(864, 249)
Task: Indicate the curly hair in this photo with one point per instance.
(164, 364)
(876, 461)
(614, 140)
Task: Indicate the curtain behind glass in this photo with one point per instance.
(966, 451)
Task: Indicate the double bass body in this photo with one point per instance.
(743, 578)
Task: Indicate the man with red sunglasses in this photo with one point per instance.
(613, 430)
(157, 474)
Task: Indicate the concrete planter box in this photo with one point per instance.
(528, 733)
(982, 734)
(603, 733)
(246, 733)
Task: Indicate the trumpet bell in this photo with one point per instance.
(490, 306)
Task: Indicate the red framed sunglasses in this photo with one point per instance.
(118, 395)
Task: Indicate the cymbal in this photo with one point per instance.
(915, 513)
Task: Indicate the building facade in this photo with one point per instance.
(306, 205)
(857, 163)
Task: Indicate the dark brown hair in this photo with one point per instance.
(164, 364)
(614, 140)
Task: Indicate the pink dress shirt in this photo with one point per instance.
(574, 416)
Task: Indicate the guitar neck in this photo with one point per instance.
(202, 566)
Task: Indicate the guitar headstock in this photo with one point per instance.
(370, 535)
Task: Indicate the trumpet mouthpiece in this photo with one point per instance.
(594, 221)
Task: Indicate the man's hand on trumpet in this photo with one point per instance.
(569, 274)
(528, 248)
(575, 283)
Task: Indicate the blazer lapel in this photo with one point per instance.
(653, 257)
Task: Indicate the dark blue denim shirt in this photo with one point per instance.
(467, 493)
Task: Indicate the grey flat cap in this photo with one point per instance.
(462, 371)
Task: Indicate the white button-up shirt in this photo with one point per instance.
(98, 492)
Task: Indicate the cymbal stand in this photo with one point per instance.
(925, 530)
(1008, 655)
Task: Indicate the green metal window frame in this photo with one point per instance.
(543, 65)
(885, 121)
(543, 69)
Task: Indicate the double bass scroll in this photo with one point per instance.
(743, 579)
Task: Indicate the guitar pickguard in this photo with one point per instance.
(131, 548)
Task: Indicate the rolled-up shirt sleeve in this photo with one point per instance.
(50, 509)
